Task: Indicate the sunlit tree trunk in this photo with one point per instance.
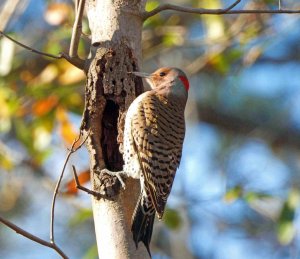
(116, 38)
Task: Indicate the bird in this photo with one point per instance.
(153, 139)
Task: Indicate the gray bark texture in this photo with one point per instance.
(116, 50)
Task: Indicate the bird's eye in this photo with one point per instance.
(162, 74)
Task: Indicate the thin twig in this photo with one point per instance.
(29, 48)
(188, 9)
(73, 60)
(33, 237)
(232, 6)
(227, 10)
(76, 61)
(77, 29)
(264, 11)
(80, 187)
(71, 151)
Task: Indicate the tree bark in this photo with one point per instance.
(116, 50)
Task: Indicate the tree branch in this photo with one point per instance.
(76, 33)
(71, 151)
(73, 60)
(33, 237)
(264, 11)
(29, 48)
(82, 188)
(178, 8)
(228, 10)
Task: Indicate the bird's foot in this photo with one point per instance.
(116, 174)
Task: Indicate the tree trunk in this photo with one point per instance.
(116, 50)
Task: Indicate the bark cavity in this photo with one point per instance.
(110, 89)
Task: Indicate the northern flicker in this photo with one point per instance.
(153, 137)
(154, 133)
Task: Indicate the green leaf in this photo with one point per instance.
(286, 232)
(252, 196)
(171, 39)
(24, 133)
(9, 105)
(285, 229)
(81, 216)
(150, 5)
(172, 219)
(6, 163)
(92, 253)
(233, 194)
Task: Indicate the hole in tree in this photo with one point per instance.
(110, 148)
(96, 44)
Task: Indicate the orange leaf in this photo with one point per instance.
(83, 177)
(44, 106)
(67, 130)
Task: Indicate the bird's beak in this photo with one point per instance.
(141, 74)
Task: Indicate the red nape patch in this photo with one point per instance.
(185, 82)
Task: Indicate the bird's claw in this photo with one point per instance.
(116, 174)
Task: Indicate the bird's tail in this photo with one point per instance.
(142, 224)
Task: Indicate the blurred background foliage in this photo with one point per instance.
(236, 194)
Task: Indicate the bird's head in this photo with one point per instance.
(167, 80)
